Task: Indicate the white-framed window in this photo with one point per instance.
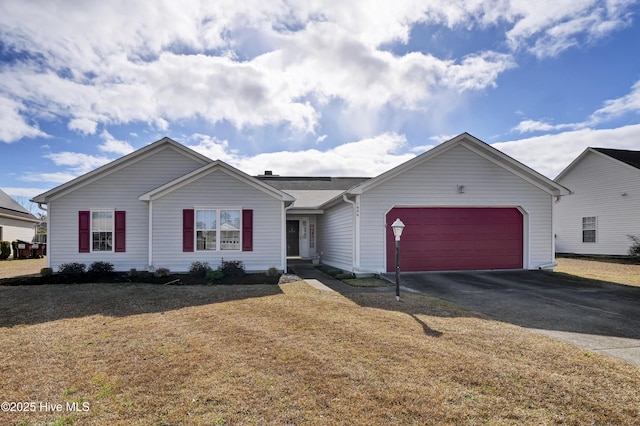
(102, 230)
(589, 229)
(218, 229)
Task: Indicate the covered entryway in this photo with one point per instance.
(457, 238)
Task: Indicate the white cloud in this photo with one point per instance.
(367, 157)
(18, 192)
(612, 109)
(213, 148)
(54, 177)
(256, 63)
(550, 154)
(76, 162)
(14, 126)
(83, 125)
(113, 145)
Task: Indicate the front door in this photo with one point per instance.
(293, 238)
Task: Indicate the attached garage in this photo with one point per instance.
(457, 238)
(465, 206)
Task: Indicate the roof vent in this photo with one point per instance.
(268, 173)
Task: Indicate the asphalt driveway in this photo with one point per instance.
(602, 317)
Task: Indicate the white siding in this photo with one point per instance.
(434, 183)
(217, 190)
(119, 190)
(14, 229)
(335, 242)
(598, 183)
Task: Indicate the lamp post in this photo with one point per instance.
(397, 227)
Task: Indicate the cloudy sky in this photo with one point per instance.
(311, 87)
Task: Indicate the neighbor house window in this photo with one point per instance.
(102, 231)
(229, 229)
(589, 229)
(218, 229)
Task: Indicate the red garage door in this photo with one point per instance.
(450, 239)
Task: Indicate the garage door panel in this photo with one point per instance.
(457, 239)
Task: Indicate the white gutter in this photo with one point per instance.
(150, 246)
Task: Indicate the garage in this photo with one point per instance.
(457, 238)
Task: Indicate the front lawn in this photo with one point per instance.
(135, 354)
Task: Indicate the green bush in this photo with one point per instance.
(101, 268)
(73, 268)
(214, 275)
(5, 250)
(232, 268)
(634, 250)
(199, 269)
(46, 272)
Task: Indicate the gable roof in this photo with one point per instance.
(216, 165)
(477, 146)
(628, 157)
(12, 209)
(118, 164)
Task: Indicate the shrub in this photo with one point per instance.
(214, 275)
(199, 269)
(634, 250)
(5, 250)
(46, 272)
(273, 272)
(73, 268)
(101, 268)
(162, 272)
(133, 273)
(232, 268)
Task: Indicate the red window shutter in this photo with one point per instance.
(120, 235)
(188, 219)
(84, 231)
(247, 230)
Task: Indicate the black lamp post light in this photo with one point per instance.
(397, 227)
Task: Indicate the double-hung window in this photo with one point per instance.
(102, 230)
(218, 229)
(589, 229)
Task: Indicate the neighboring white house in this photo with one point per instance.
(465, 204)
(605, 205)
(16, 223)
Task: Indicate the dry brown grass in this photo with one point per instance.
(16, 267)
(290, 354)
(611, 271)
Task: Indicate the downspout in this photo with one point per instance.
(150, 244)
(356, 232)
(41, 207)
